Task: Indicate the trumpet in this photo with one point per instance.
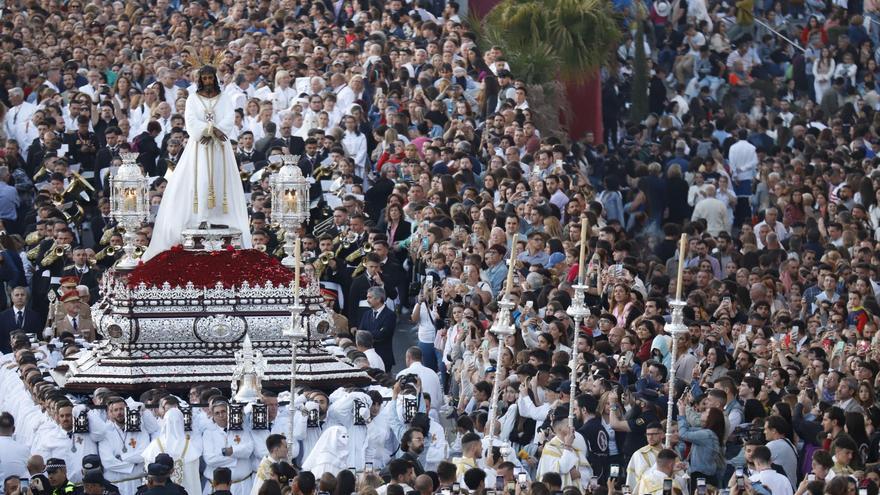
(139, 251)
(345, 240)
(260, 247)
(54, 253)
(322, 262)
(109, 251)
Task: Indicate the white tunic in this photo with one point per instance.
(122, 457)
(214, 440)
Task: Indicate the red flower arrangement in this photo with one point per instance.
(204, 269)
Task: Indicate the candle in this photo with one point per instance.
(290, 199)
(510, 265)
(584, 228)
(130, 200)
(296, 257)
(682, 247)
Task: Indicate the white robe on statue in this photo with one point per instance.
(185, 203)
(184, 447)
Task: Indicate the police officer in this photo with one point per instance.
(56, 470)
(168, 462)
(158, 482)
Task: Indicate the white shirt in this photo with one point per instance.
(743, 160)
(13, 458)
(430, 382)
(714, 211)
(773, 481)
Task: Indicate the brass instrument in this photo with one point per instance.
(323, 172)
(139, 251)
(321, 263)
(106, 236)
(54, 254)
(33, 253)
(359, 253)
(33, 238)
(78, 188)
(40, 175)
(323, 226)
(345, 240)
(260, 247)
(360, 268)
(109, 251)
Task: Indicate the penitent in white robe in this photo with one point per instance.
(185, 203)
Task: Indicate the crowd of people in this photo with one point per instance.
(758, 146)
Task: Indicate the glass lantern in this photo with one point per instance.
(290, 203)
(129, 204)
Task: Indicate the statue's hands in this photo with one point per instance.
(205, 140)
(219, 135)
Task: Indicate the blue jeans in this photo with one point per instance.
(429, 357)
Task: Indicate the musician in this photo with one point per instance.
(170, 156)
(377, 196)
(103, 258)
(81, 271)
(309, 160)
(355, 238)
(392, 272)
(246, 152)
(47, 271)
(340, 221)
(101, 221)
(83, 144)
(356, 303)
(105, 155)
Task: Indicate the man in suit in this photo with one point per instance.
(72, 321)
(18, 317)
(380, 322)
(247, 153)
(147, 149)
(82, 272)
(268, 140)
(356, 303)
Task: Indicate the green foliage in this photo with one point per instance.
(549, 38)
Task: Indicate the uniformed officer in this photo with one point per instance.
(56, 469)
(158, 480)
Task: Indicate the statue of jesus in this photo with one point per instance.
(205, 189)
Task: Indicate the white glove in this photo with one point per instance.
(311, 406)
(47, 333)
(299, 401)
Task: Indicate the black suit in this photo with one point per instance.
(148, 152)
(358, 291)
(31, 324)
(377, 197)
(295, 145)
(264, 144)
(90, 278)
(36, 153)
(382, 328)
(308, 164)
(256, 157)
(103, 159)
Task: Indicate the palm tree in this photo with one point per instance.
(577, 36)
